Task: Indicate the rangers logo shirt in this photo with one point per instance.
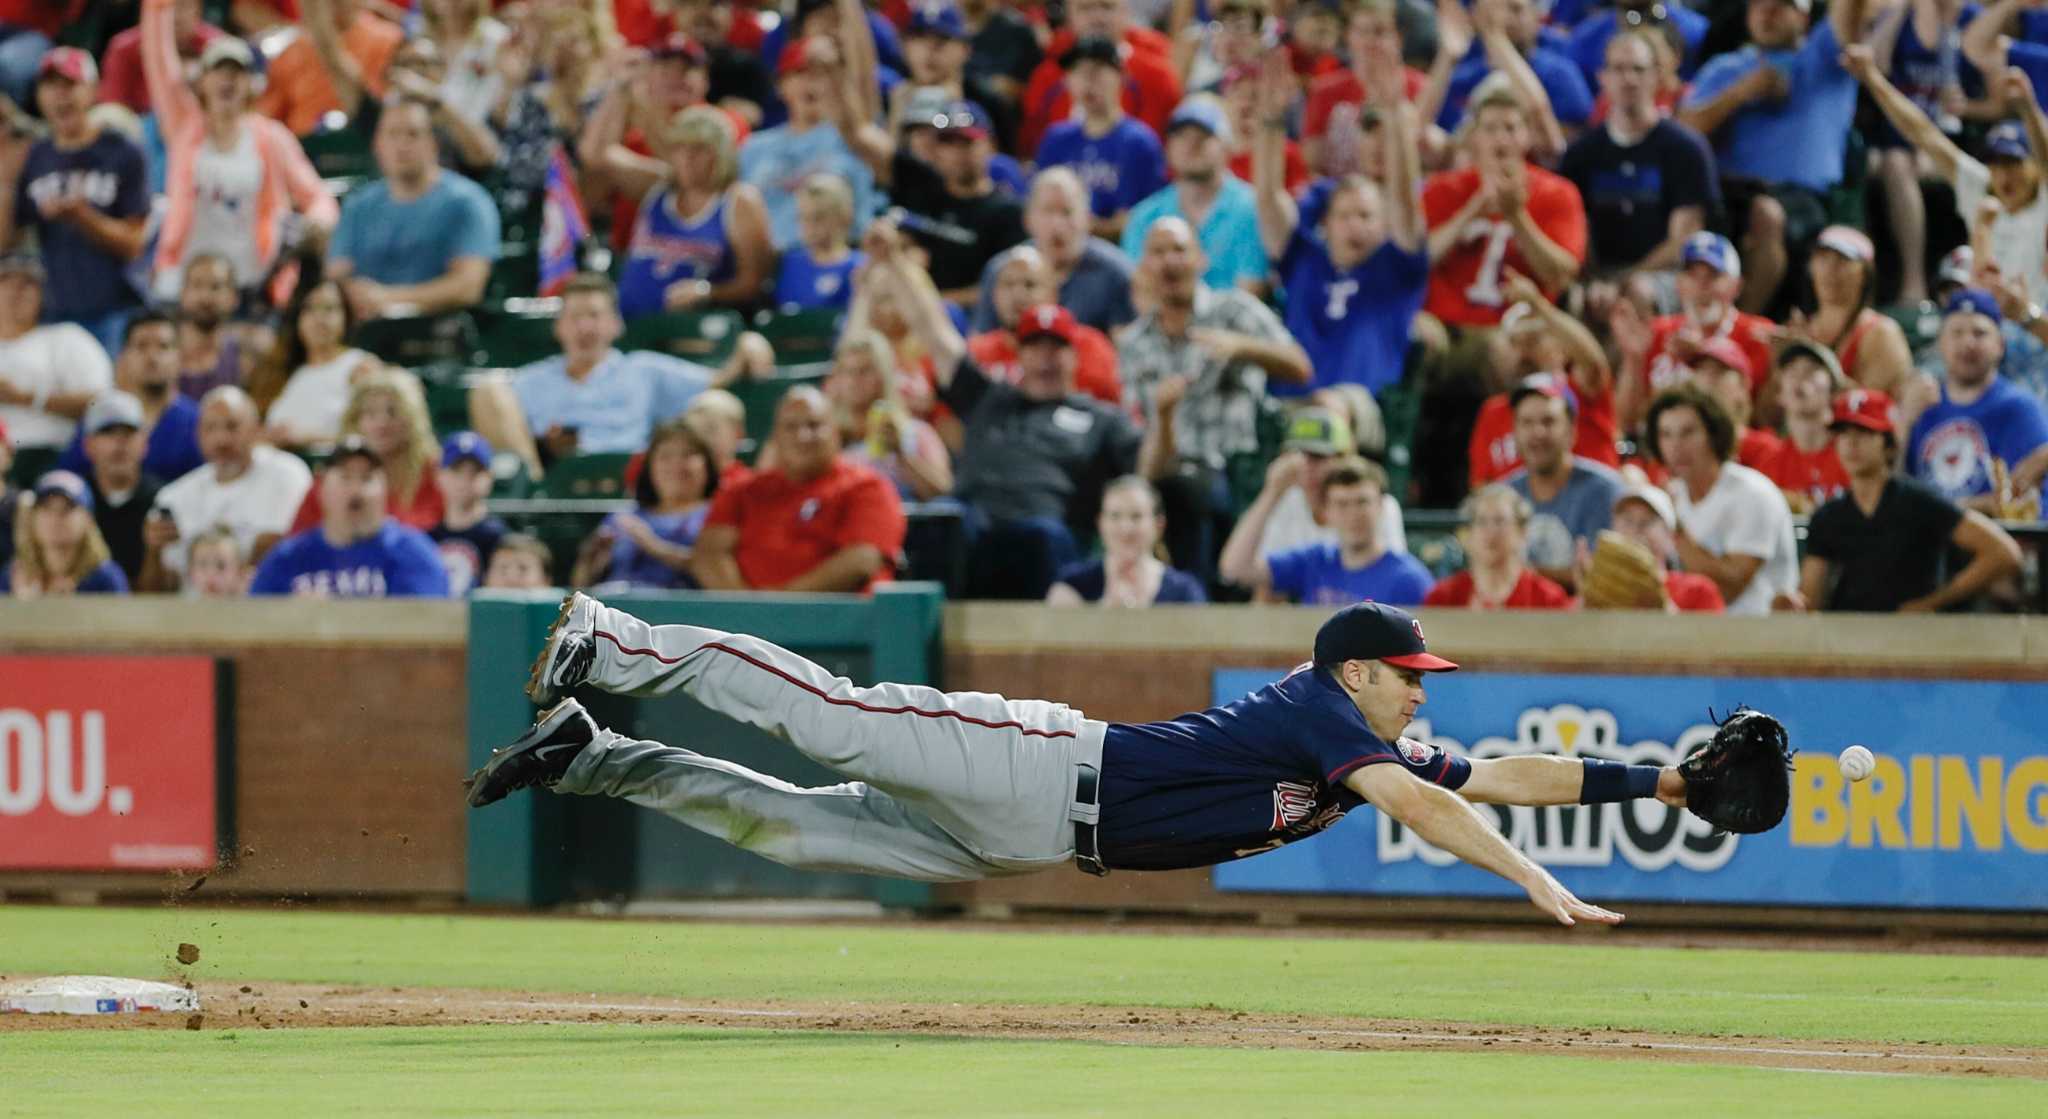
(1252, 775)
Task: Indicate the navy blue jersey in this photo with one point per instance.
(1246, 777)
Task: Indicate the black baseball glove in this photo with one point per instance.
(1742, 780)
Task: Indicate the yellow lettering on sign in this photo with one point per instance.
(1818, 819)
(1922, 766)
(2026, 804)
(1963, 797)
(1874, 805)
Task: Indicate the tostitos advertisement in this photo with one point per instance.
(1955, 815)
(111, 763)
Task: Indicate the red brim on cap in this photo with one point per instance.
(1426, 662)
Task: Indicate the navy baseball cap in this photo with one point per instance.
(67, 484)
(1973, 301)
(963, 120)
(1374, 631)
(941, 20)
(2007, 141)
(466, 446)
(1714, 250)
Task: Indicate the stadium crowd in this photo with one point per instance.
(1152, 301)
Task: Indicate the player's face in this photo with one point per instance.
(322, 319)
(587, 325)
(1864, 453)
(1386, 695)
(1971, 346)
(515, 570)
(677, 471)
(1353, 513)
(1682, 441)
(806, 439)
(464, 483)
(1129, 524)
(1805, 389)
(1543, 433)
(1641, 524)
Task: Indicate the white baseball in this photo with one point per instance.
(1857, 762)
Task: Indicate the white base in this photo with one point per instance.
(93, 994)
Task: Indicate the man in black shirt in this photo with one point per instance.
(122, 495)
(1037, 454)
(1002, 50)
(954, 210)
(1647, 180)
(1879, 546)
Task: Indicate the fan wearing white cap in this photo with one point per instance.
(1643, 513)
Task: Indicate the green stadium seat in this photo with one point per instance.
(760, 396)
(418, 340)
(587, 477)
(804, 338)
(706, 337)
(340, 153)
(447, 390)
(520, 331)
(515, 274)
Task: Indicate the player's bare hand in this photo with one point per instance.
(1547, 894)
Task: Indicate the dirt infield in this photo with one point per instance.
(284, 1006)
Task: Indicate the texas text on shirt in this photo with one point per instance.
(1246, 777)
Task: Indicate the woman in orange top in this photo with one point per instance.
(235, 175)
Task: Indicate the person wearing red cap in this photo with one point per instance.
(970, 785)
(1805, 465)
(1022, 281)
(83, 191)
(1880, 546)
(1722, 368)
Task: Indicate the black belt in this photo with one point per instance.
(1086, 811)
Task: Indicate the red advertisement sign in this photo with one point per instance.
(108, 763)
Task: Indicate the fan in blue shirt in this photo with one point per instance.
(1118, 159)
(1981, 417)
(1353, 569)
(357, 551)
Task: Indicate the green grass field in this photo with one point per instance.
(666, 1070)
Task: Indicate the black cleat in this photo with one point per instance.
(570, 650)
(538, 757)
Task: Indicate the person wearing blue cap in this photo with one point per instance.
(964, 786)
(62, 550)
(1204, 193)
(1981, 441)
(468, 533)
(2008, 174)
(1657, 355)
(1117, 155)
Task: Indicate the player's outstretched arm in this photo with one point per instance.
(1537, 779)
(1450, 822)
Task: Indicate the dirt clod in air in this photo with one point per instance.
(188, 954)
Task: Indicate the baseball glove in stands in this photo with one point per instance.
(1742, 780)
(1623, 576)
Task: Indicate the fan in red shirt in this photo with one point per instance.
(1151, 84)
(1722, 368)
(1805, 465)
(812, 522)
(1645, 514)
(1497, 574)
(1338, 126)
(1536, 339)
(1025, 281)
(1502, 213)
(1658, 354)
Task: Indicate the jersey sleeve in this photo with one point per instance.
(1339, 757)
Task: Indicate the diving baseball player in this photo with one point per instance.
(959, 786)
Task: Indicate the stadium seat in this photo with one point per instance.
(706, 337)
(516, 272)
(418, 340)
(520, 331)
(935, 546)
(339, 153)
(802, 339)
(587, 476)
(446, 384)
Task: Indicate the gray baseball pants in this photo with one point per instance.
(946, 786)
